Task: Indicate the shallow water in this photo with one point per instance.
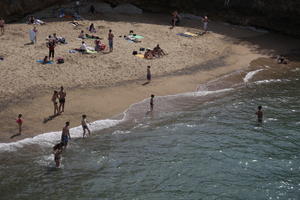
(194, 146)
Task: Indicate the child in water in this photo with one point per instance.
(57, 151)
(259, 114)
(151, 102)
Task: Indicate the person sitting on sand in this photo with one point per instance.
(54, 100)
(83, 47)
(92, 28)
(148, 54)
(175, 19)
(282, 60)
(158, 52)
(45, 60)
(19, 121)
(57, 151)
(31, 19)
(2, 23)
(99, 46)
(81, 35)
(59, 39)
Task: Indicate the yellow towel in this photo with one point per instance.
(191, 34)
(140, 55)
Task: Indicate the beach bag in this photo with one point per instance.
(134, 53)
(60, 60)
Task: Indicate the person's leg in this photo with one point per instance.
(83, 132)
(63, 107)
(20, 129)
(59, 108)
(89, 131)
(57, 163)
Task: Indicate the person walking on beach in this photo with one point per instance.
(148, 74)
(2, 23)
(151, 102)
(259, 114)
(111, 40)
(62, 99)
(54, 100)
(57, 151)
(65, 136)
(84, 125)
(19, 121)
(205, 24)
(51, 45)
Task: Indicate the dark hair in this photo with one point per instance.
(67, 123)
(149, 67)
(259, 107)
(83, 116)
(55, 91)
(20, 115)
(61, 87)
(110, 30)
(152, 95)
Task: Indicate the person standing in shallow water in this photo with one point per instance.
(57, 151)
(259, 114)
(152, 102)
(20, 123)
(65, 136)
(148, 74)
(84, 125)
(62, 99)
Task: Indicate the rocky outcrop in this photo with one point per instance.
(278, 15)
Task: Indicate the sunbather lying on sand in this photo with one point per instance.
(81, 35)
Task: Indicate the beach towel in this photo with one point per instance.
(88, 51)
(138, 36)
(139, 55)
(41, 61)
(191, 34)
(184, 35)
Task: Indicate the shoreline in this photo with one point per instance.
(113, 85)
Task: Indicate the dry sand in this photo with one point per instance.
(105, 84)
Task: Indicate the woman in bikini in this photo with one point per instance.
(54, 100)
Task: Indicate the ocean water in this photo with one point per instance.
(200, 145)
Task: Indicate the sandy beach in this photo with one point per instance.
(103, 85)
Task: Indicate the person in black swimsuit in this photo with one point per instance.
(148, 74)
(62, 99)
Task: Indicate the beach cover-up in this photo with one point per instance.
(32, 35)
(41, 61)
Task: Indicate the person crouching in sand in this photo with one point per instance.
(57, 151)
(65, 136)
(84, 125)
(19, 121)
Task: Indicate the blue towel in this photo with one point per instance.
(184, 35)
(41, 61)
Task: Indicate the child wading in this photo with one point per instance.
(259, 114)
(85, 127)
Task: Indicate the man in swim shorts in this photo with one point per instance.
(65, 136)
(62, 99)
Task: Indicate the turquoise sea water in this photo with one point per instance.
(204, 145)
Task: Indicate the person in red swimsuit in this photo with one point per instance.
(20, 122)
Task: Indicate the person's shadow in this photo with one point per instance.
(15, 135)
(49, 118)
(146, 83)
(29, 43)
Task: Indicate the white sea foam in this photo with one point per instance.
(271, 81)
(250, 75)
(48, 139)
